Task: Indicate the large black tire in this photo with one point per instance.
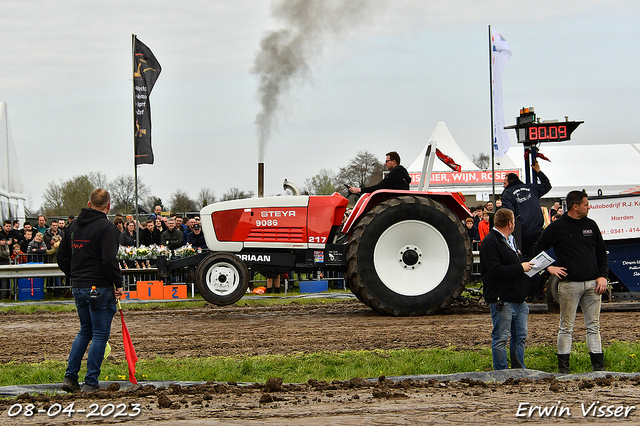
(553, 304)
(408, 256)
(222, 278)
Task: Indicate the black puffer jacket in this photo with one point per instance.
(397, 178)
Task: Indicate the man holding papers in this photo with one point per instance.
(582, 267)
(505, 289)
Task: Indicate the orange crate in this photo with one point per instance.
(150, 290)
(175, 291)
(129, 295)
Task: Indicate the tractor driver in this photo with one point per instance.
(397, 178)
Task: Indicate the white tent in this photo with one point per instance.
(606, 169)
(471, 180)
(448, 146)
(609, 169)
(11, 191)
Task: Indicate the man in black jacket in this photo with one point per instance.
(524, 201)
(582, 266)
(505, 289)
(196, 238)
(87, 255)
(172, 237)
(397, 178)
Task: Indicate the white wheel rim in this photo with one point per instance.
(222, 278)
(425, 243)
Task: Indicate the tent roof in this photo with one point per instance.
(10, 178)
(611, 168)
(448, 146)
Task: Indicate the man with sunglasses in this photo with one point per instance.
(397, 178)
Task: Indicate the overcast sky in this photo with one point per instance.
(379, 81)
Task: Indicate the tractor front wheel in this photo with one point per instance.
(222, 278)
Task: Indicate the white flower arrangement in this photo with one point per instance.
(185, 251)
(127, 253)
(156, 250)
(142, 252)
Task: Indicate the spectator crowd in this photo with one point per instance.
(161, 230)
(38, 242)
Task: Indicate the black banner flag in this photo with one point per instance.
(146, 70)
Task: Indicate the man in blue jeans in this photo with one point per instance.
(87, 255)
(505, 290)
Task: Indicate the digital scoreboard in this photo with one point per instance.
(551, 132)
(530, 131)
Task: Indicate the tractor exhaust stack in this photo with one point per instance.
(260, 180)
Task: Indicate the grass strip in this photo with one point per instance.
(298, 368)
(279, 299)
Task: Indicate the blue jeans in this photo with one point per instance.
(570, 294)
(512, 319)
(95, 327)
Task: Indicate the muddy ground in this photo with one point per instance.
(251, 330)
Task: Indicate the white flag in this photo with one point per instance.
(500, 54)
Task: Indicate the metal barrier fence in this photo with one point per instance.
(54, 278)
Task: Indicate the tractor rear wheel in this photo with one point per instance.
(222, 278)
(553, 300)
(408, 256)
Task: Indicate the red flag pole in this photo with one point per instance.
(129, 350)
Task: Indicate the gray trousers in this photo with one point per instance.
(570, 294)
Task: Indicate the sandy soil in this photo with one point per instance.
(308, 328)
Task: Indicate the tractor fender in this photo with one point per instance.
(454, 201)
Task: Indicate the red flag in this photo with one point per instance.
(538, 155)
(129, 350)
(448, 161)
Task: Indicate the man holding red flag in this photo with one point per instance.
(87, 255)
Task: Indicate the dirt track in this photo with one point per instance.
(295, 328)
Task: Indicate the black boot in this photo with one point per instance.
(563, 363)
(597, 361)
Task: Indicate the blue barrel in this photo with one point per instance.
(30, 289)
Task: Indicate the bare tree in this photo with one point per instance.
(75, 193)
(482, 161)
(205, 197)
(68, 197)
(324, 183)
(98, 179)
(363, 170)
(236, 194)
(180, 202)
(53, 204)
(122, 191)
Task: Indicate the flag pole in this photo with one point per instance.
(493, 167)
(135, 166)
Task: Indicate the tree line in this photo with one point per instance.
(68, 197)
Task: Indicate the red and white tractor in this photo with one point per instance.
(401, 252)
